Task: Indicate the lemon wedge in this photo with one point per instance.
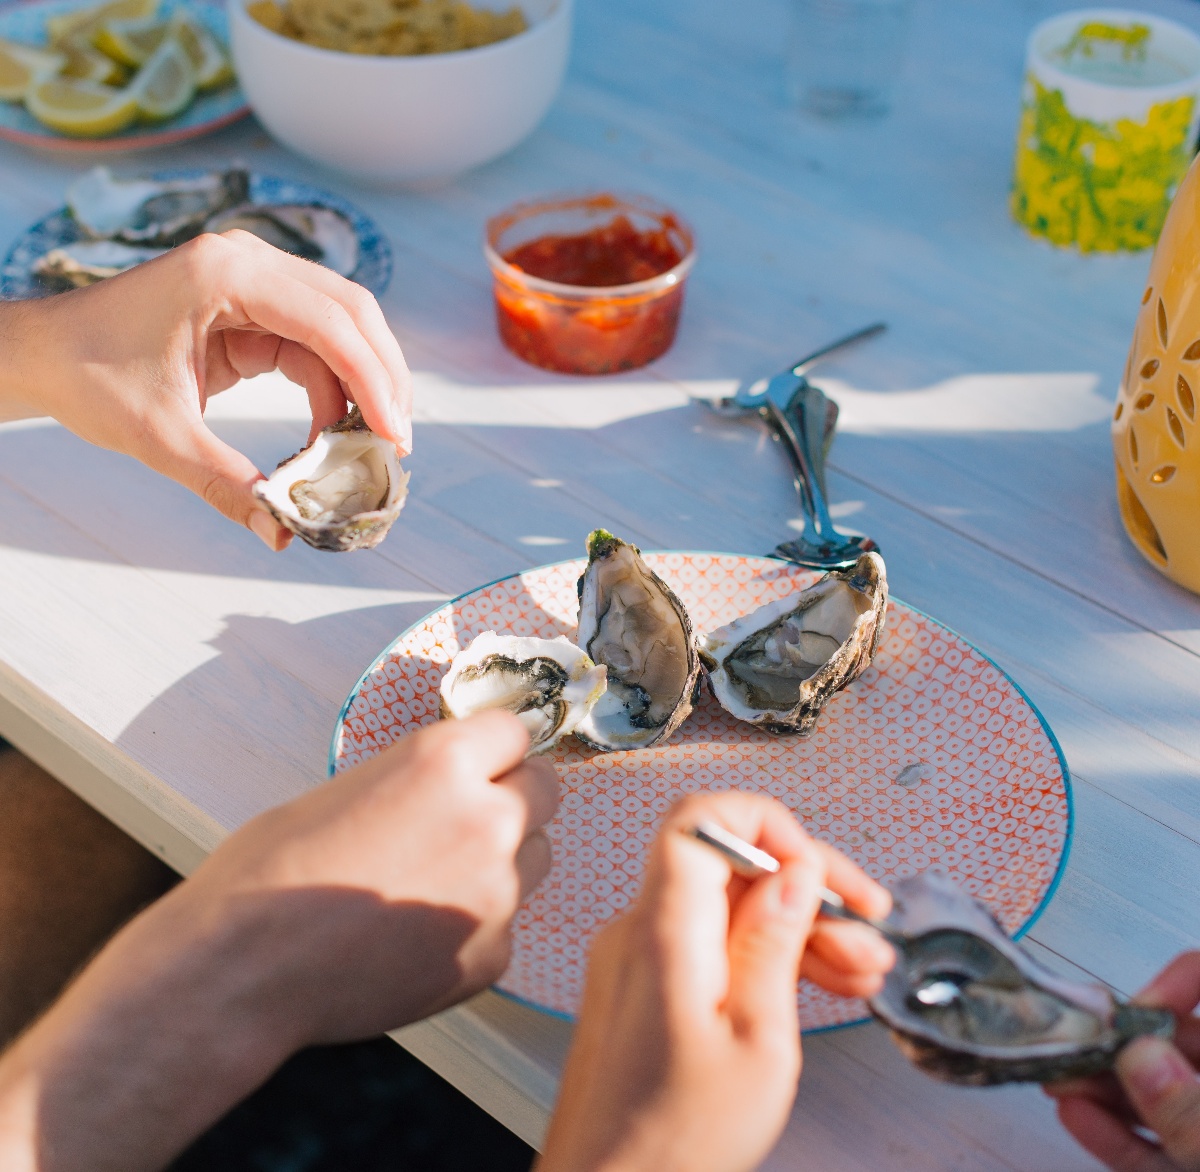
(88, 20)
(23, 65)
(88, 64)
(84, 109)
(166, 83)
(130, 41)
(208, 58)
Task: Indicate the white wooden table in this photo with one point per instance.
(182, 679)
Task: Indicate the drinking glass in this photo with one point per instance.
(844, 55)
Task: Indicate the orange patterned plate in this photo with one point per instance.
(932, 760)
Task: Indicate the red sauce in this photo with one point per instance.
(590, 331)
(616, 253)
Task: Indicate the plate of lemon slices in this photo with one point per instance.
(116, 76)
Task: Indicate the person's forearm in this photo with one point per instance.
(25, 343)
(164, 1032)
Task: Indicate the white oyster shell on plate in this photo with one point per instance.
(85, 262)
(340, 493)
(631, 621)
(549, 684)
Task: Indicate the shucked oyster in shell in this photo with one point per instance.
(631, 622)
(549, 684)
(967, 1005)
(779, 665)
(342, 492)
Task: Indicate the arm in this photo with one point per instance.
(687, 1051)
(1154, 1086)
(376, 899)
(130, 363)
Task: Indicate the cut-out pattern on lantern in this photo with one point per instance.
(1158, 464)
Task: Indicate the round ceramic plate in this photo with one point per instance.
(26, 22)
(932, 760)
(18, 281)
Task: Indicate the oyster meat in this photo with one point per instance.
(87, 261)
(162, 212)
(779, 665)
(967, 1005)
(550, 684)
(310, 231)
(631, 622)
(342, 492)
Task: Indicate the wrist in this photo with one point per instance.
(26, 347)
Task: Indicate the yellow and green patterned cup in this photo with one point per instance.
(1109, 117)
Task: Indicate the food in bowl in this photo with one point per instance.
(388, 28)
(107, 67)
(590, 284)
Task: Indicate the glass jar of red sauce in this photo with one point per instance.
(589, 284)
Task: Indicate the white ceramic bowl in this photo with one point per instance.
(403, 119)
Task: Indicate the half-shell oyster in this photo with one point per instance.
(968, 1005)
(87, 261)
(162, 212)
(779, 665)
(342, 492)
(310, 231)
(632, 623)
(549, 684)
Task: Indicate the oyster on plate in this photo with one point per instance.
(342, 492)
(779, 665)
(968, 1005)
(162, 212)
(87, 261)
(550, 684)
(631, 622)
(310, 231)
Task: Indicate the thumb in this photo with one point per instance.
(769, 929)
(1162, 1087)
(225, 478)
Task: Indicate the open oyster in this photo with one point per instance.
(632, 623)
(779, 665)
(342, 492)
(162, 212)
(550, 684)
(313, 232)
(87, 261)
(968, 1005)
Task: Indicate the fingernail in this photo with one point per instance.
(795, 895)
(401, 428)
(1151, 1066)
(264, 527)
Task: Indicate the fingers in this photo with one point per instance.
(861, 893)
(847, 959)
(534, 857)
(489, 744)
(1177, 987)
(537, 784)
(1161, 1085)
(1109, 1140)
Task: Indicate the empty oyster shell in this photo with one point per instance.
(313, 232)
(779, 665)
(632, 623)
(967, 1005)
(162, 212)
(342, 492)
(87, 261)
(550, 684)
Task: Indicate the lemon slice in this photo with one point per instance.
(23, 65)
(130, 41)
(166, 83)
(88, 20)
(84, 109)
(88, 64)
(209, 59)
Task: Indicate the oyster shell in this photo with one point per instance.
(162, 212)
(311, 231)
(87, 261)
(631, 622)
(342, 492)
(550, 684)
(967, 1005)
(779, 665)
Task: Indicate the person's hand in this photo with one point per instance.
(130, 363)
(687, 1051)
(381, 897)
(1154, 1087)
